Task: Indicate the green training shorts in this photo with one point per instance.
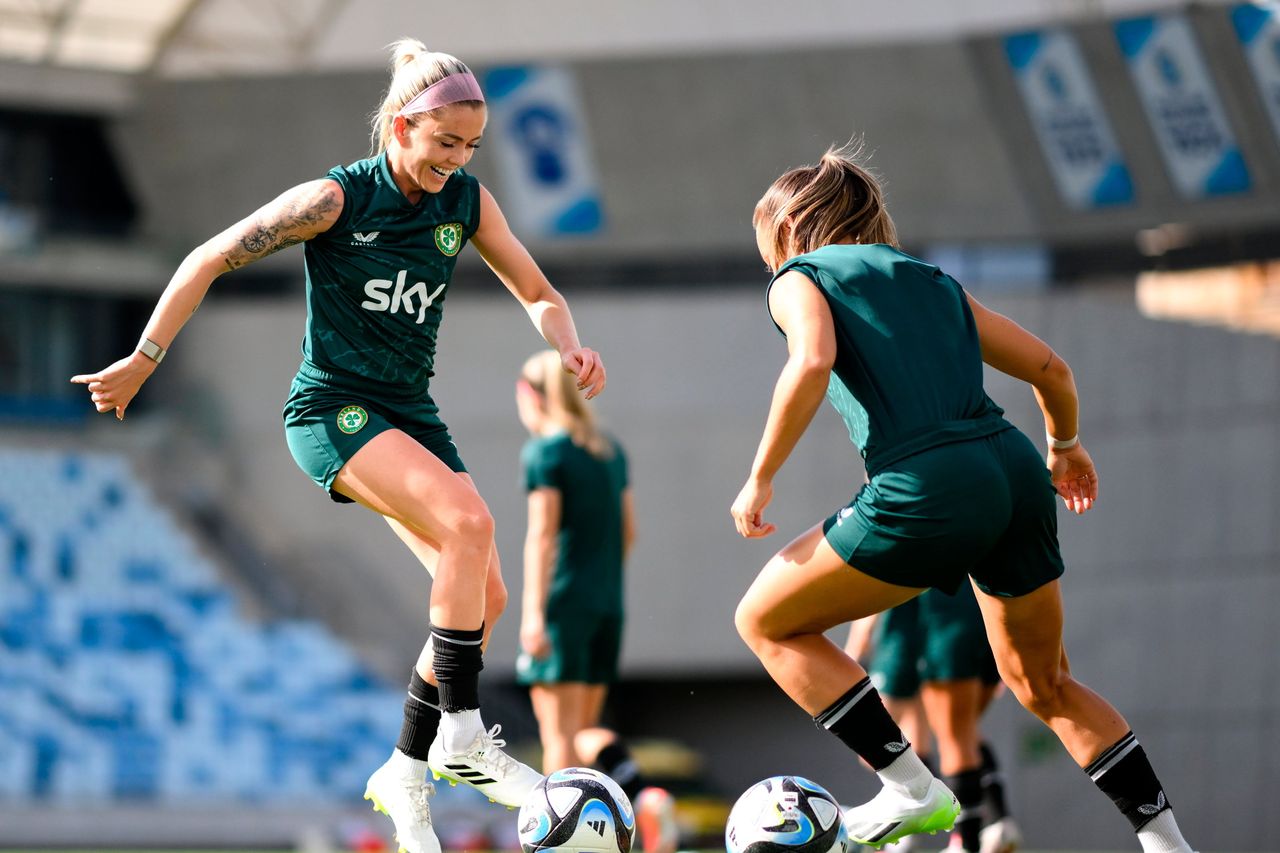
(983, 507)
(584, 650)
(327, 422)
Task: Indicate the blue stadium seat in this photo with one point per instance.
(128, 674)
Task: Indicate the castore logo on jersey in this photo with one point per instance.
(400, 298)
(365, 238)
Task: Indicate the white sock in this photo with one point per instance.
(1161, 835)
(458, 729)
(908, 775)
(407, 764)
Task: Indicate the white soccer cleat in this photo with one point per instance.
(485, 767)
(401, 793)
(891, 815)
(1002, 836)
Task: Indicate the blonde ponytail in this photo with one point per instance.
(413, 68)
(566, 407)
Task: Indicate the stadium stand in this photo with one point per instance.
(130, 672)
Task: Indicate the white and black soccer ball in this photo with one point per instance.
(786, 814)
(577, 810)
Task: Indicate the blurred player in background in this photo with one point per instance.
(382, 236)
(581, 528)
(954, 491)
(931, 662)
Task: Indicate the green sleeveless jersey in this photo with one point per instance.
(908, 369)
(377, 279)
(587, 577)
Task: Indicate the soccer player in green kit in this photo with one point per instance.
(381, 238)
(954, 492)
(581, 527)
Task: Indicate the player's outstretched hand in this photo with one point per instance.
(1074, 477)
(587, 365)
(115, 387)
(748, 509)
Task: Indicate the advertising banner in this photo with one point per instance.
(549, 184)
(1070, 122)
(1182, 106)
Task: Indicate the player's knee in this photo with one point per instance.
(473, 527)
(495, 598)
(1041, 692)
(750, 622)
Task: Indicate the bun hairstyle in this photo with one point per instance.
(565, 407)
(413, 68)
(838, 200)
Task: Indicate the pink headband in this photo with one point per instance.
(445, 91)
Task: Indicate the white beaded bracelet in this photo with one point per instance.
(1063, 444)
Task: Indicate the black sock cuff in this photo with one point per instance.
(458, 636)
(424, 691)
(989, 762)
(1124, 774)
(1111, 756)
(841, 706)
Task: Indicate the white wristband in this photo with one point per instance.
(151, 350)
(1064, 444)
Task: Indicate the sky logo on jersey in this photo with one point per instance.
(366, 238)
(449, 238)
(399, 298)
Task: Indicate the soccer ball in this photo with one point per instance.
(577, 810)
(786, 814)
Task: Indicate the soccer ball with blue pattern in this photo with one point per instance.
(577, 810)
(786, 814)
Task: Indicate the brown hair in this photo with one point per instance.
(838, 200)
(413, 68)
(566, 407)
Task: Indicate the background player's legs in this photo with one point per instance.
(952, 708)
(561, 711)
(804, 590)
(1026, 637)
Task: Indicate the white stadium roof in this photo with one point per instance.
(195, 38)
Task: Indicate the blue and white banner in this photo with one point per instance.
(549, 178)
(1258, 28)
(1074, 132)
(1182, 105)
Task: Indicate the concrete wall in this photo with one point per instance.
(1170, 585)
(686, 144)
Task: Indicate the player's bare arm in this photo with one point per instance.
(296, 216)
(516, 268)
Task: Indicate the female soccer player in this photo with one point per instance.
(581, 527)
(382, 236)
(954, 490)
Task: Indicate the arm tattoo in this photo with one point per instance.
(294, 217)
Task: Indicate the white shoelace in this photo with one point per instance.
(487, 747)
(418, 801)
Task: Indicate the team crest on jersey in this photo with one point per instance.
(351, 419)
(449, 238)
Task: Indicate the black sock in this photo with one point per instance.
(967, 786)
(457, 664)
(615, 761)
(1124, 774)
(421, 717)
(859, 719)
(927, 760)
(992, 786)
